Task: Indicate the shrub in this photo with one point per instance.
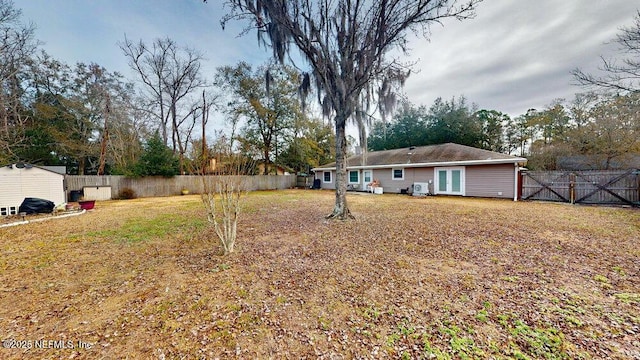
(222, 199)
(127, 193)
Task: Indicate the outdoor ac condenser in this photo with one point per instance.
(420, 189)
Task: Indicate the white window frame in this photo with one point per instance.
(449, 191)
(349, 176)
(393, 173)
(330, 177)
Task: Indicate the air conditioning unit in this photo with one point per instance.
(420, 189)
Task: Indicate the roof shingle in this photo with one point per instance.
(440, 153)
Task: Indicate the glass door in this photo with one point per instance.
(442, 181)
(450, 181)
(367, 178)
(456, 181)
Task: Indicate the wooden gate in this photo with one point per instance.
(616, 187)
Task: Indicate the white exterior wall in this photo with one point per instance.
(327, 185)
(17, 184)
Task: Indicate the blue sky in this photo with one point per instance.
(89, 31)
(513, 56)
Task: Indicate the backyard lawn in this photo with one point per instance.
(409, 278)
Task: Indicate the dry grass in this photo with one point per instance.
(409, 278)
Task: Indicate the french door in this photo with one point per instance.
(449, 181)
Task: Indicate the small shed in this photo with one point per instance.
(19, 181)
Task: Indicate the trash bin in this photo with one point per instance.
(75, 195)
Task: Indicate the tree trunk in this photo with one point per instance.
(105, 137)
(163, 124)
(362, 131)
(265, 171)
(81, 162)
(103, 149)
(341, 210)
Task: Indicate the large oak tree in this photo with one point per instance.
(267, 115)
(348, 45)
(17, 45)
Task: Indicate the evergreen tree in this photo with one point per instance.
(157, 159)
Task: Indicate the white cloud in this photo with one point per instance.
(513, 56)
(516, 55)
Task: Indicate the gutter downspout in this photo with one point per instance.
(515, 182)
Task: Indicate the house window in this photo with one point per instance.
(398, 174)
(354, 176)
(326, 177)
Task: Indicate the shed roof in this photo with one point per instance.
(425, 156)
(25, 166)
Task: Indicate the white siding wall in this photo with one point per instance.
(17, 184)
(327, 185)
(10, 189)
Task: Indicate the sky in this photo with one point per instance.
(513, 56)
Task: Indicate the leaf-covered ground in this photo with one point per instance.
(410, 278)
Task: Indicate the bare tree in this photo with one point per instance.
(171, 74)
(128, 125)
(347, 44)
(224, 189)
(610, 134)
(622, 75)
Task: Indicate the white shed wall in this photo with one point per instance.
(17, 184)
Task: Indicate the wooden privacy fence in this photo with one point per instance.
(615, 187)
(161, 186)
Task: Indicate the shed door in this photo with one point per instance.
(450, 181)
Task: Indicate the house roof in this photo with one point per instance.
(448, 154)
(279, 166)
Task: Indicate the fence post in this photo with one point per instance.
(572, 187)
(637, 173)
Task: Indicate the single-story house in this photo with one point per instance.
(19, 181)
(448, 169)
